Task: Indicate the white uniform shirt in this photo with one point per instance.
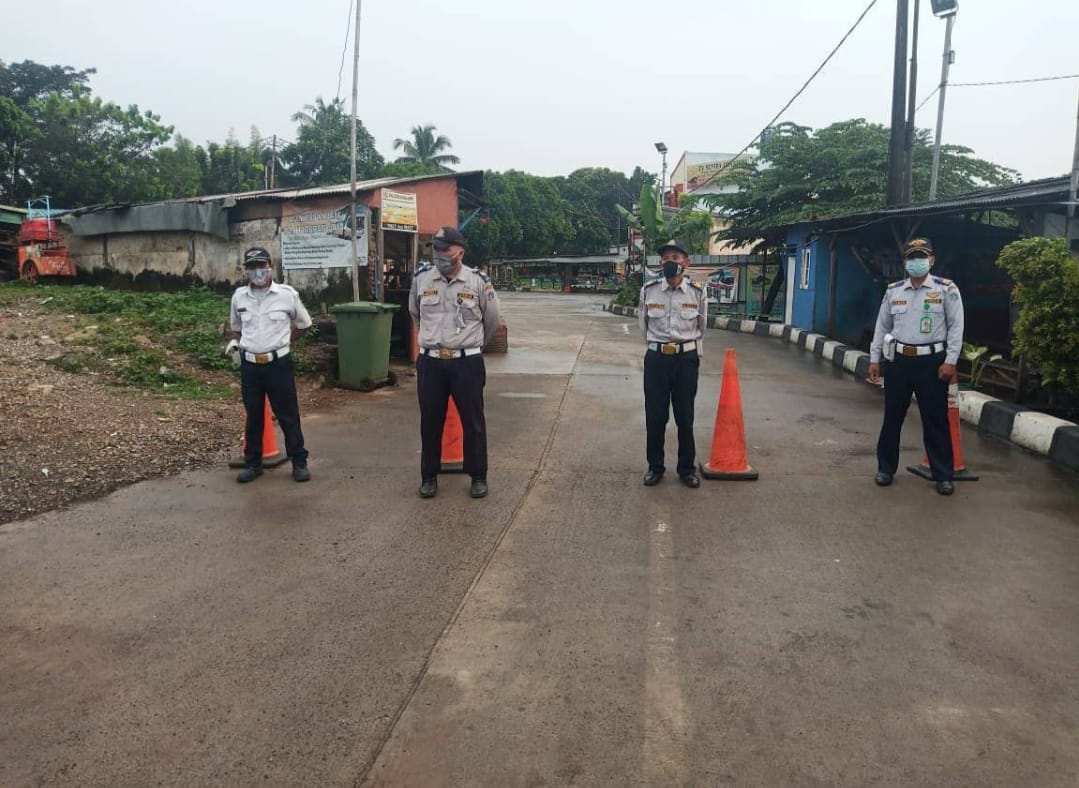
(677, 314)
(460, 313)
(266, 323)
(923, 316)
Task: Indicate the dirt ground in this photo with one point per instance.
(68, 436)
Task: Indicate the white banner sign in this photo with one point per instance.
(320, 236)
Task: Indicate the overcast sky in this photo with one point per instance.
(551, 86)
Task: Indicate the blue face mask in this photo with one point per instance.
(917, 267)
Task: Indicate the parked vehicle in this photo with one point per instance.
(41, 250)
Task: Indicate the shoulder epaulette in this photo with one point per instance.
(944, 281)
(697, 285)
(483, 276)
(650, 282)
(897, 284)
(424, 268)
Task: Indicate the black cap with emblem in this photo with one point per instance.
(918, 247)
(446, 237)
(256, 255)
(672, 244)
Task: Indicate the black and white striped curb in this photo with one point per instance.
(1040, 433)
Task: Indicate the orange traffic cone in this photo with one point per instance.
(271, 455)
(453, 442)
(959, 468)
(728, 458)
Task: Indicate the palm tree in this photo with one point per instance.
(425, 148)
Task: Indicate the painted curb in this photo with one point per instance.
(1040, 433)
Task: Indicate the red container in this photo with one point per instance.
(37, 230)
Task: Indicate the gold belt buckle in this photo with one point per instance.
(910, 350)
(263, 358)
(668, 348)
(445, 352)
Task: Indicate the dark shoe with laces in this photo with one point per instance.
(428, 488)
(883, 479)
(690, 480)
(300, 473)
(945, 487)
(248, 475)
(478, 489)
(652, 478)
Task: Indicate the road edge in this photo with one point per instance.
(1038, 433)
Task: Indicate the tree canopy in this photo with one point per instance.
(426, 148)
(804, 175)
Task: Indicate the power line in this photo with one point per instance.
(1011, 81)
(344, 50)
(1000, 82)
(786, 106)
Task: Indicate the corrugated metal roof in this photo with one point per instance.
(1047, 191)
(326, 191)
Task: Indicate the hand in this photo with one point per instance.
(946, 372)
(233, 345)
(874, 374)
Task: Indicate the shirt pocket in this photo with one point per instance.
(468, 304)
(430, 303)
(935, 307)
(657, 310)
(246, 317)
(690, 313)
(898, 309)
(277, 317)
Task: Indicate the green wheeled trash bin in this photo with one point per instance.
(363, 343)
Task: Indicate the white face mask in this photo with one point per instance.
(259, 277)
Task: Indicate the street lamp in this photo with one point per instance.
(947, 9)
(662, 148)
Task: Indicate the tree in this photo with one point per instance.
(425, 148)
(592, 195)
(179, 173)
(90, 151)
(320, 155)
(1046, 333)
(805, 175)
(21, 85)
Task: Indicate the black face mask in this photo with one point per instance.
(671, 269)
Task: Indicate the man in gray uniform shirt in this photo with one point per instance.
(456, 315)
(919, 334)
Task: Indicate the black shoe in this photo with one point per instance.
(300, 473)
(652, 478)
(428, 488)
(945, 487)
(248, 475)
(479, 488)
(690, 480)
(883, 479)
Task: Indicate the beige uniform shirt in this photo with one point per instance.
(921, 316)
(673, 315)
(265, 323)
(460, 313)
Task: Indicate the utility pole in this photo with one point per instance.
(912, 93)
(352, 160)
(894, 187)
(273, 160)
(944, 67)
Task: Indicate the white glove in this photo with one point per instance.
(232, 350)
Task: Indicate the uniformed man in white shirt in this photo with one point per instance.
(265, 318)
(672, 314)
(919, 335)
(456, 314)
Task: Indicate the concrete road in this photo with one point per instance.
(574, 628)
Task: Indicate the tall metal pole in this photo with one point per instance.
(662, 182)
(894, 188)
(912, 93)
(352, 159)
(945, 65)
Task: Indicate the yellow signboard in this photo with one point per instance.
(399, 212)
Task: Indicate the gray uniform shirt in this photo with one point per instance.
(677, 314)
(921, 316)
(460, 313)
